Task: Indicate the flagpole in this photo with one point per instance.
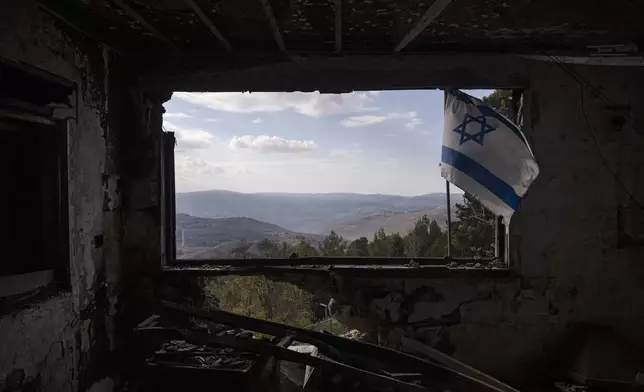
(449, 221)
(449, 203)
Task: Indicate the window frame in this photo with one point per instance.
(16, 287)
(58, 270)
(168, 200)
(501, 238)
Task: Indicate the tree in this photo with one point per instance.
(333, 245)
(434, 232)
(501, 100)
(386, 245)
(425, 239)
(358, 248)
(274, 249)
(396, 246)
(438, 240)
(474, 229)
(380, 244)
(305, 249)
(260, 297)
(418, 237)
(269, 248)
(241, 250)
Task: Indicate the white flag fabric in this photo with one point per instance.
(485, 154)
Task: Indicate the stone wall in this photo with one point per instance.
(40, 341)
(69, 341)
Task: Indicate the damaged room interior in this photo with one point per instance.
(321, 195)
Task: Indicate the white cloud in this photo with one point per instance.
(257, 121)
(361, 121)
(415, 122)
(212, 120)
(189, 139)
(265, 143)
(309, 104)
(190, 166)
(176, 115)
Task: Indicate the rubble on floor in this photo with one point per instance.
(176, 353)
(233, 351)
(179, 352)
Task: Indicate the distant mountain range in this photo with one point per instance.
(396, 222)
(351, 215)
(206, 238)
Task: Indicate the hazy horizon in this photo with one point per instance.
(453, 190)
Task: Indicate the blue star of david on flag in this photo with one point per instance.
(478, 137)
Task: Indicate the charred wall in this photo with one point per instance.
(575, 241)
(68, 339)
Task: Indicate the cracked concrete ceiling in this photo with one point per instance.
(240, 27)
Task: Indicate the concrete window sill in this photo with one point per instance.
(13, 285)
(354, 270)
(22, 291)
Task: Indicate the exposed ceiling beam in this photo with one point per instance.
(130, 11)
(275, 29)
(433, 12)
(211, 26)
(338, 25)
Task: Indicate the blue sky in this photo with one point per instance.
(364, 142)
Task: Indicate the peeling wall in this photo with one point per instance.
(70, 341)
(576, 242)
(40, 342)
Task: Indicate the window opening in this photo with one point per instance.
(320, 176)
(33, 167)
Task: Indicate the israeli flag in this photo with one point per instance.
(485, 154)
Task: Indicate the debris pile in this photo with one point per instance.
(186, 354)
(226, 348)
